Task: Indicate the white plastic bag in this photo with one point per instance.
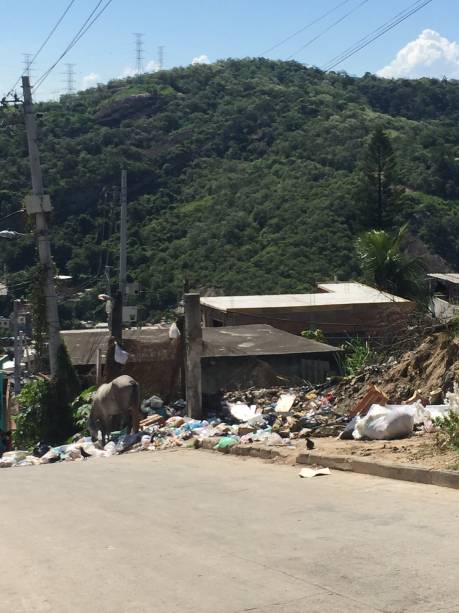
(174, 332)
(385, 422)
(121, 356)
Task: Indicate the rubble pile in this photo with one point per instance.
(387, 401)
(428, 371)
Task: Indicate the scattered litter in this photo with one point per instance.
(308, 473)
(121, 356)
(242, 412)
(174, 332)
(285, 403)
(373, 396)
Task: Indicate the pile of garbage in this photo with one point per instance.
(272, 417)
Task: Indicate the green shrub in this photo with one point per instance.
(81, 408)
(357, 355)
(314, 335)
(33, 419)
(447, 436)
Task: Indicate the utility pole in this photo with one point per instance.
(193, 354)
(123, 237)
(39, 204)
(17, 349)
(27, 61)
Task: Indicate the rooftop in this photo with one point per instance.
(257, 340)
(452, 277)
(331, 294)
(231, 341)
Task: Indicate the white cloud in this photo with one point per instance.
(152, 66)
(128, 72)
(90, 80)
(200, 59)
(430, 55)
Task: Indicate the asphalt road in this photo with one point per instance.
(192, 531)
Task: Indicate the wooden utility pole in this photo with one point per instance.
(39, 204)
(17, 348)
(193, 354)
(123, 237)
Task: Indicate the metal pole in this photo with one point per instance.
(17, 351)
(193, 349)
(123, 236)
(44, 247)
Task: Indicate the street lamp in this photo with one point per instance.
(11, 234)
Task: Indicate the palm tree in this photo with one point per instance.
(387, 266)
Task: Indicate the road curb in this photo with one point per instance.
(402, 472)
(264, 452)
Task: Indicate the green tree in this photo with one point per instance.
(387, 266)
(379, 172)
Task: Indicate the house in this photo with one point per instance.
(340, 310)
(444, 295)
(232, 357)
(5, 326)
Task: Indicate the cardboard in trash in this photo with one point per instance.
(285, 403)
(373, 396)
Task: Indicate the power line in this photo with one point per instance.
(328, 28)
(45, 42)
(89, 22)
(370, 38)
(307, 26)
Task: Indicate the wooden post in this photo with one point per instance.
(112, 368)
(193, 354)
(99, 367)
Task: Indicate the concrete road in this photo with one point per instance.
(192, 531)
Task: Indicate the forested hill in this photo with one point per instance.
(243, 175)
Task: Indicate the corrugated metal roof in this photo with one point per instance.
(333, 294)
(452, 277)
(251, 340)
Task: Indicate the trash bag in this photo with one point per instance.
(51, 456)
(127, 441)
(145, 441)
(347, 433)
(226, 442)
(110, 448)
(40, 449)
(386, 422)
(174, 332)
(121, 356)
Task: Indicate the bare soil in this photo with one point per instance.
(418, 449)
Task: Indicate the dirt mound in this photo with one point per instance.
(434, 365)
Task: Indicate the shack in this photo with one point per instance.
(444, 295)
(340, 310)
(235, 357)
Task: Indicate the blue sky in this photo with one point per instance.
(216, 29)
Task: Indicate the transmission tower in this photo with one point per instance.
(161, 57)
(139, 54)
(27, 62)
(69, 78)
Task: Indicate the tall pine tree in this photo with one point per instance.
(378, 191)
